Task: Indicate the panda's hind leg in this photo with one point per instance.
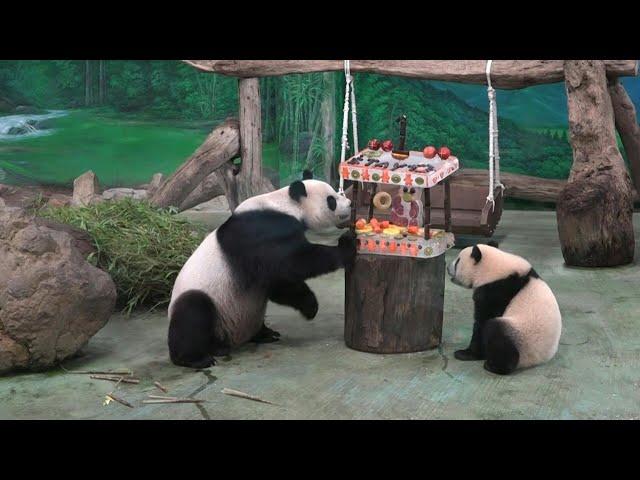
(266, 335)
(501, 352)
(191, 338)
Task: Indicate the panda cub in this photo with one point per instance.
(260, 253)
(517, 321)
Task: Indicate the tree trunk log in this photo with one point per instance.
(595, 208)
(506, 74)
(221, 146)
(627, 125)
(211, 187)
(328, 112)
(250, 180)
(394, 304)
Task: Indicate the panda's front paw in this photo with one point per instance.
(347, 246)
(309, 307)
(466, 355)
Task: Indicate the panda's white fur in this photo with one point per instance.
(312, 208)
(209, 271)
(532, 315)
(239, 302)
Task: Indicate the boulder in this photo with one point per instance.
(6, 105)
(57, 200)
(120, 193)
(45, 123)
(29, 110)
(85, 189)
(21, 130)
(155, 183)
(52, 301)
(80, 239)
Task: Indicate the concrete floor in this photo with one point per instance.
(311, 374)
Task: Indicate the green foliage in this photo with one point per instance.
(439, 114)
(439, 117)
(165, 88)
(143, 248)
(122, 151)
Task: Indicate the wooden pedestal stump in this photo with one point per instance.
(394, 304)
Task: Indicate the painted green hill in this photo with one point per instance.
(541, 106)
(440, 117)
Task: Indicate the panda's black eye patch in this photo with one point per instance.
(404, 189)
(332, 202)
(413, 190)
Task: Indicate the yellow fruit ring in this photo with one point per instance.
(382, 201)
(392, 231)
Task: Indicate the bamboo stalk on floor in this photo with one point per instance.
(115, 378)
(236, 393)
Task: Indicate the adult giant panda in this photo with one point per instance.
(517, 321)
(260, 253)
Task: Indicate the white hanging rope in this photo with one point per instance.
(354, 118)
(345, 121)
(349, 93)
(494, 153)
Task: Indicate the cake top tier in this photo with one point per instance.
(378, 166)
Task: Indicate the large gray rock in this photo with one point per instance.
(120, 193)
(85, 189)
(52, 301)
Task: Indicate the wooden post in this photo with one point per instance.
(595, 208)
(354, 206)
(249, 179)
(394, 304)
(627, 126)
(427, 212)
(447, 205)
(374, 190)
(328, 113)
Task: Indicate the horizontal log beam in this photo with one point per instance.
(507, 74)
(522, 187)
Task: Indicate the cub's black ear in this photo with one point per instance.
(297, 190)
(476, 254)
(307, 174)
(493, 243)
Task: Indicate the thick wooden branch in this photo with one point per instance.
(221, 146)
(627, 126)
(507, 74)
(250, 179)
(595, 208)
(521, 187)
(211, 187)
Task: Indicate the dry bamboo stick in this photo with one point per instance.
(115, 378)
(99, 372)
(119, 400)
(236, 393)
(161, 387)
(173, 400)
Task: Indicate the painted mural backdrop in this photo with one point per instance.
(126, 120)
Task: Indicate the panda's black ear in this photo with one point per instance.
(493, 243)
(297, 190)
(476, 254)
(307, 174)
